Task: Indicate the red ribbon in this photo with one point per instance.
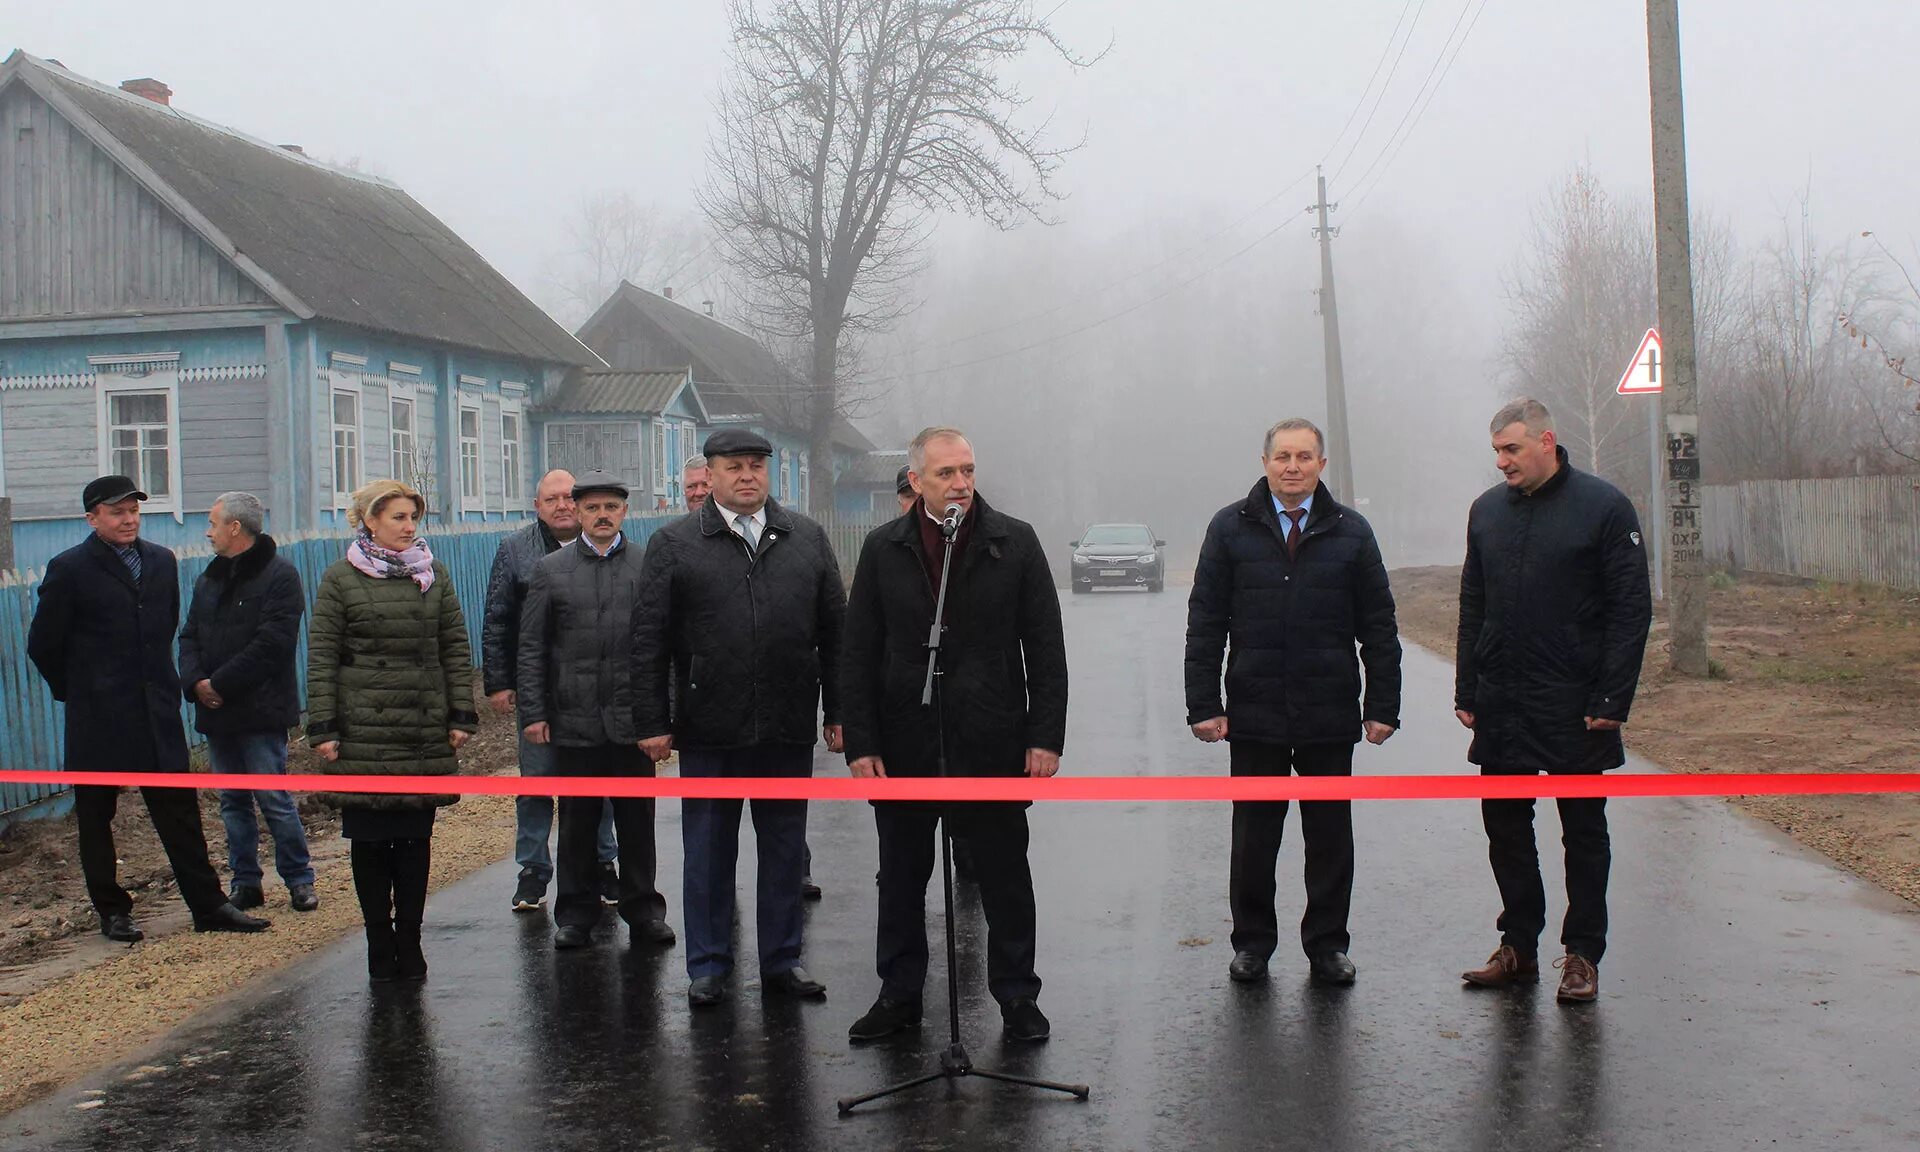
(1133, 789)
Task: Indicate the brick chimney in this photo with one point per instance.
(150, 88)
(295, 149)
(667, 292)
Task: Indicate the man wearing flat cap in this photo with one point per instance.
(735, 647)
(903, 489)
(102, 638)
(576, 694)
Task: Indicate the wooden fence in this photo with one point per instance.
(31, 725)
(1856, 530)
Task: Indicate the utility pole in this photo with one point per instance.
(1339, 447)
(1680, 395)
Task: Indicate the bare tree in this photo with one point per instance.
(1888, 331)
(612, 237)
(1582, 297)
(845, 125)
(1796, 404)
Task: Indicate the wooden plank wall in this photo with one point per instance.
(1854, 530)
(78, 236)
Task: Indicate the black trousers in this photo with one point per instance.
(1515, 856)
(1257, 826)
(176, 817)
(998, 836)
(577, 864)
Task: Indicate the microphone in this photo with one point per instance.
(950, 521)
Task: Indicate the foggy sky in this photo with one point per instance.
(499, 115)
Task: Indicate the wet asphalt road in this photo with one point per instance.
(1754, 996)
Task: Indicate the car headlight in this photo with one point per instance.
(1079, 559)
(1149, 557)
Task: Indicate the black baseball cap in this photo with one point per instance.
(109, 490)
(902, 485)
(736, 442)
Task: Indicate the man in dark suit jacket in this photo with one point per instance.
(735, 643)
(1295, 581)
(1554, 611)
(102, 638)
(1003, 700)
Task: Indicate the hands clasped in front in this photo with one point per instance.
(1041, 763)
(1215, 730)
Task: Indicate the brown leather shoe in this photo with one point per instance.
(1504, 968)
(1579, 979)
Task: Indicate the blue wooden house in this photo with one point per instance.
(739, 381)
(206, 311)
(638, 426)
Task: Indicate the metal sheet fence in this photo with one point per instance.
(1856, 530)
(31, 724)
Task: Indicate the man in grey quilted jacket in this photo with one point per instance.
(576, 697)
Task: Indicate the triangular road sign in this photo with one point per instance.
(1648, 370)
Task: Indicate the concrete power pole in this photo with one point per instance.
(1339, 447)
(1680, 394)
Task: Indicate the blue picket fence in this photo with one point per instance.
(31, 726)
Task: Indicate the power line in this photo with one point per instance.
(1461, 47)
(1381, 98)
(1439, 59)
(688, 262)
(1361, 102)
(1234, 226)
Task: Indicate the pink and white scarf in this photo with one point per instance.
(416, 563)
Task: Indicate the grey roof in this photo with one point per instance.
(344, 245)
(881, 466)
(612, 392)
(737, 374)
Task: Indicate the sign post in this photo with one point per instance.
(1643, 377)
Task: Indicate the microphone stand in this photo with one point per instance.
(954, 1062)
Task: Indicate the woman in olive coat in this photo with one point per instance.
(389, 693)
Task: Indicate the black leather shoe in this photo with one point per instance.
(1247, 967)
(808, 889)
(121, 928)
(651, 932)
(706, 991)
(245, 896)
(793, 982)
(1332, 968)
(572, 936)
(301, 897)
(884, 1019)
(1023, 1020)
(227, 918)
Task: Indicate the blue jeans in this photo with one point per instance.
(259, 754)
(533, 818)
(710, 832)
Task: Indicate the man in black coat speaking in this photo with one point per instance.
(102, 638)
(1554, 612)
(1003, 707)
(1293, 581)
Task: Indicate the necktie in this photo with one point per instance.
(131, 558)
(1294, 516)
(746, 532)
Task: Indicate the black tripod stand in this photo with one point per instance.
(954, 1062)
